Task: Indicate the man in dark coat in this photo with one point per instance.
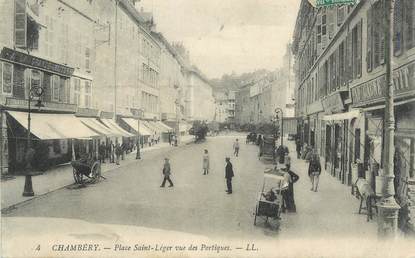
(166, 173)
(228, 175)
(101, 151)
(298, 147)
(289, 201)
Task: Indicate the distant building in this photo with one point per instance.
(199, 100)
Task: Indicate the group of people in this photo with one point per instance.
(114, 152)
(290, 177)
(229, 174)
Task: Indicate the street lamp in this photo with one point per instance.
(36, 91)
(388, 207)
(139, 115)
(279, 110)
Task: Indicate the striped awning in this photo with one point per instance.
(54, 126)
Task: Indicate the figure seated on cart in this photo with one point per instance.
(269, 207)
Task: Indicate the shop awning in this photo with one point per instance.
(116, 129)
(133, 123)
(342, 116)
(96, 126)
(164, 127)
(54, 126)
(149, 127)
(160, 127)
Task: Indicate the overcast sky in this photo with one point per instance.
(228, 35)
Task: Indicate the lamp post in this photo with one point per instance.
(388, 207)
(279, 110)
(139, 115)
(28, 186)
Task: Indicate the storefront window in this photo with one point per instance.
(6, 77)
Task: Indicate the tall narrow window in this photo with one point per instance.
(410, 24)
(6, 78)
(62, 90)
(88, 93)
(398, 27)
(369, 53)
(20, 24)
(55, 87)
(76, 91)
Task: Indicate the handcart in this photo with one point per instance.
(88, 167)
(267, 148)
(270, 198)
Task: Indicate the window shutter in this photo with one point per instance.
(381, 14)
(18, 82)
(369, 53)
(68, 91)
(62, 89)
(398, 28)
(410, 24)
(20, 21)
(47, 95)
(359, 49)
(349, 61)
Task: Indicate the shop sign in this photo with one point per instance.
(323, 3)
(333, 104)
(87, 112)
(315, 107)
(28, 60)
(107, 115)
(374, 90)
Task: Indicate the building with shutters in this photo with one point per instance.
(93, 60)
(44, 45)
(340, 89)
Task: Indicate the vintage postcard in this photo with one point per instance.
(207, 128)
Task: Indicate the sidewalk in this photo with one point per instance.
(61, 176)
(330, 212)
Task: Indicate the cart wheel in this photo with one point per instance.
(77, 176)
(96, 171)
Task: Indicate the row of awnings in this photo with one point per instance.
(68, 126)
(147, 127)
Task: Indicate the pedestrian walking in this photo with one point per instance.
(228, 175)
(314, 171)
(236, 148)
(298, 147)
(118, 153)
(289, 201)
(111, 148)
(123, 150)
(101, 151)
(206, 163)
(166, 173)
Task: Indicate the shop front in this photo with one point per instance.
(336, 128)
(47, 85)
(52, 136)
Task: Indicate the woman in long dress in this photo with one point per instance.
(206, 163)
